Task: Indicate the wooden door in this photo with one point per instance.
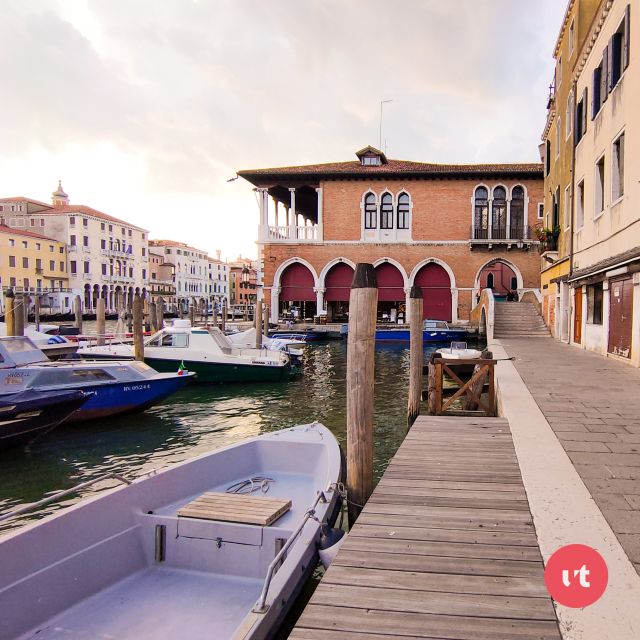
(620, 316)
(577, 318)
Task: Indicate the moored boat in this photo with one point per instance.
(53, 346)
(117, 387)
(432, 331)
(28, 414)
(460, 351)
(247, 339)
(175, 554)
(206, 351)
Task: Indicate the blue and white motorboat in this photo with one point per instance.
(28, 414)
(117, 386)
(432, 331)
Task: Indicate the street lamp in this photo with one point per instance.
(244, 277)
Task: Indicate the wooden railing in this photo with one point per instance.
(441, 399)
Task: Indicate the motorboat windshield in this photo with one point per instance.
(16, 351)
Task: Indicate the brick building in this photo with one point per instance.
(450, 229)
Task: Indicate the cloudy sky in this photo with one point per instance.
(144, 108)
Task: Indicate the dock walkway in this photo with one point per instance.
(444, 548)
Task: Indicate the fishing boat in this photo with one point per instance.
(28, 414)
(432, 331)
(206, 351)
(117, 387)
(214, 547)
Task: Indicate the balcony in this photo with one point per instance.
(292, 233)
(520, 236)
(87, 276)
(118, 253)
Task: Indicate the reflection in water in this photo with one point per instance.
(201, 418)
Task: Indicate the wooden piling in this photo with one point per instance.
(416, 356)
(192, 314)
(363, 303)
(431, 387)
(9, 312)
(223, 324)
(257, 316)
(265, 319)
(153, 317)
(160, 313)
(138, 344)
(36, 312)
(25, 308)
(100, 321)
(77, 309)
(18, 315)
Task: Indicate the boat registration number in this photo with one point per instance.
(137, 387)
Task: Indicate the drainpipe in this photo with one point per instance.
(572, 197)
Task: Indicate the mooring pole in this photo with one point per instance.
(363, 303)
(25, 308)
(416, 356)
(100, 320)
(9, 312)
(36, 312)
(153, 317)
(257, 316)
(265, 319)
(160, 313)
(223, 324)
(77, 309)
(18, 315)
(138, 344)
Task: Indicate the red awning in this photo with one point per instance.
(390, 283)
(436, 291)
(338, 283)
(297, 284)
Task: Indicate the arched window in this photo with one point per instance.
(517, 213)
(490, 281)
(386, 211)
(499, 213)
(370, 211)
(481, 214)
(403, 211)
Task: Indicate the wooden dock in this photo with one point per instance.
(445, 547)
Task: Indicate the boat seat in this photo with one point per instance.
(235, 507)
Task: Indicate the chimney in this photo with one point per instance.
(218, 253)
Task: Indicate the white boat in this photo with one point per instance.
(206, 351)
(53, 346)
(460, 351)
(247, 339)
(131, 564)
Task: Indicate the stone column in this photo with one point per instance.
(319, 300)
(294, 218)
(508, 229)
(263, 229)
(276, 213)
(275, 304)
(320, 234)
(490, 218)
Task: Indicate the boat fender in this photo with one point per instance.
(330, 542)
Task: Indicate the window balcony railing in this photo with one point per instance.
(501, 234)
(292, 233)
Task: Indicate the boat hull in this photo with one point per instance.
(129, 397)
(428, 335)
(215, 372)
(29, 414)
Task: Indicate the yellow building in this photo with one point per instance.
(557, 153)
(33, 263)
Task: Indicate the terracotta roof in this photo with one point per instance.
(393, 168)
(24, 232)
(23, 199)
(82, 209)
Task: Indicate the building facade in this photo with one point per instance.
(605, 274)
(162, 280)
(450, 229)
(107, 257)
(557, 148)
(191, 272)
(218, 283)
(34, 264)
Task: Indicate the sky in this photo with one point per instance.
(145, 108)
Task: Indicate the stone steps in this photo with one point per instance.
(518, 320)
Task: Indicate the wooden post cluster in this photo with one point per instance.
(18, 315)
(257, 317)
(160, 313)
(138, 337)
(363, 302)
(100, 320)
(9, 312)
(77, 309)
(416, 355)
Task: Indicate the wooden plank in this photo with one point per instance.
(456, 604)
(234, 507)
(441, 582)
(434, 501)
(444, 484)
(436, 492)
(368, 529)
(441, 549)
(426, 625)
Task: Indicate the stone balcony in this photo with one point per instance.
(290, 233)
